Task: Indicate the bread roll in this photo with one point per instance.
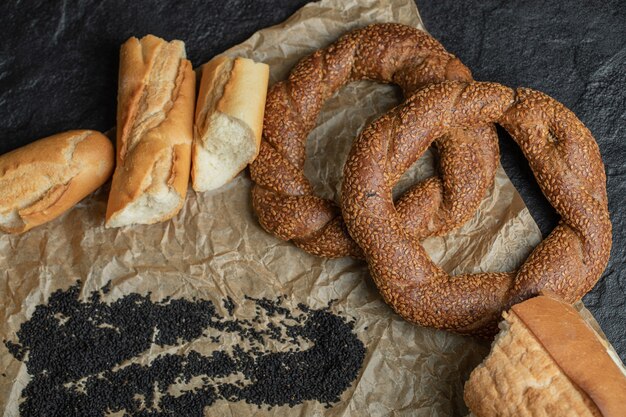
(229, 120)
(547, 361)
(43, 179)
(154, 132)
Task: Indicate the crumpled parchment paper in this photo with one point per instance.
(215, 248)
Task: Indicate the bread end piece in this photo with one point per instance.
(228, 121)
(154, 133)
(45, 178)
(547, 361)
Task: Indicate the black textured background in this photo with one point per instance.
(58, 71)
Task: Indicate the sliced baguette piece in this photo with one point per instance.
(43, 179)
(155, 104)
(547, 361)
(229, 120)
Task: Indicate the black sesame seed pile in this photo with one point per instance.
(83, 356)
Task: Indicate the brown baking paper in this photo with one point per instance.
(215, 248)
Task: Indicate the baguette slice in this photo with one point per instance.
(154, 132)
(547, 361)
(229, 120)
(45, 178)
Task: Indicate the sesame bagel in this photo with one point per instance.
(565, 160)
(283, 197)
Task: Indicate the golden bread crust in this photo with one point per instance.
(519, 378)
(547, 361)
(45, 178)
(154, 132)
(232, 91)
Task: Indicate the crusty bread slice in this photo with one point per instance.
(229, 120)
(547, 361)
(156, 97)
(45, 178)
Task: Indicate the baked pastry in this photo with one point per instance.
(229, 120)
(155, 106)
(283, 197)
(45, 178)
(565, 160)
(547, 361)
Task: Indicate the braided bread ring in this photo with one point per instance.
(390, 53)
(565, 160)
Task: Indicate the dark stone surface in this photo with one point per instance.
(58, 71)
(59, 59)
